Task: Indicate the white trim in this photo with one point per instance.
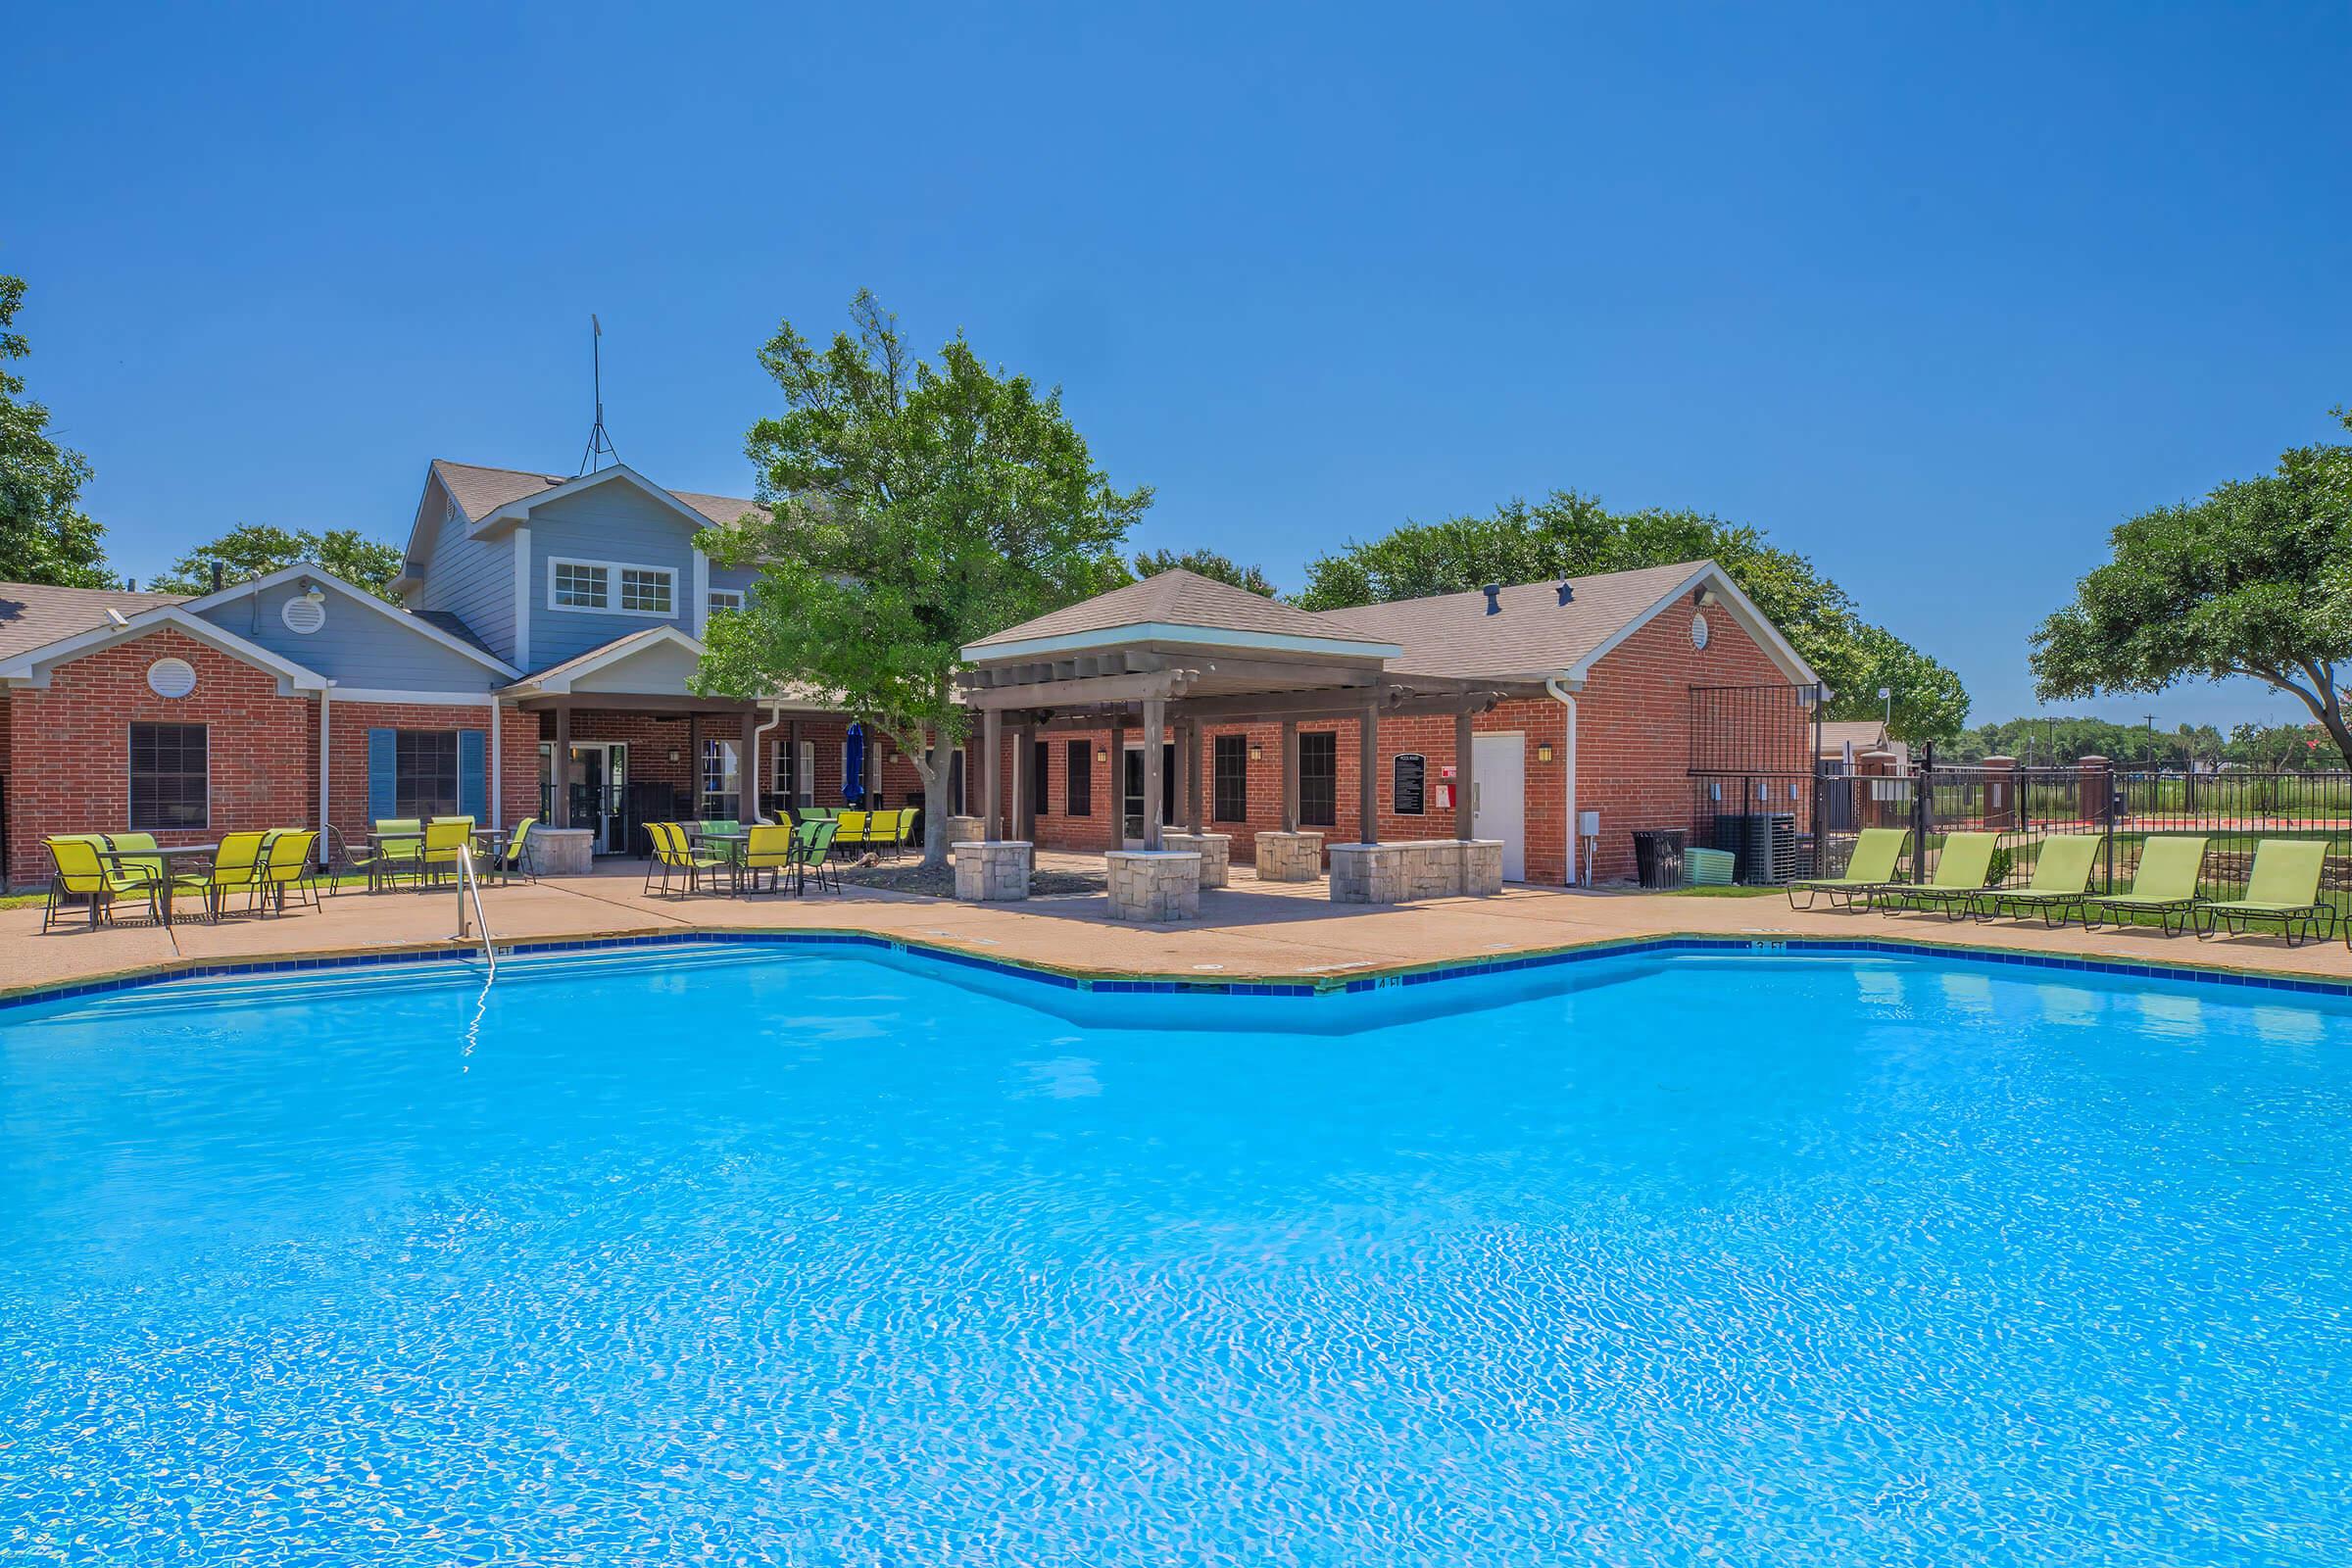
(326, 757)
(557, 680)
(700, 617)
(523, 598)
(612, 570)
(498, 785)
(804, 782)
(387, 694)
(1744, 610)
(1161, 631)
(32, 666)
(312, 570)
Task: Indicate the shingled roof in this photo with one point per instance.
(35, 614)
(1531, 636)
(1178, 599)
(480, 491)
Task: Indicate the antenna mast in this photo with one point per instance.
(599, 444)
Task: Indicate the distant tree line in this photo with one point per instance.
(2059, 741)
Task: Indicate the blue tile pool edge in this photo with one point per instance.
(1163, 985)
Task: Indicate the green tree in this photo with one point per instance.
(44, 534)
(1574, 535)
(2255, 579)
(255, 550)
(1209, 564)
(915, 508)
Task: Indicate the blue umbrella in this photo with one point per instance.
(852, 781)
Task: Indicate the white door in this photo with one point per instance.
(1499, 798)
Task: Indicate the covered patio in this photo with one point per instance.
(1165, 659)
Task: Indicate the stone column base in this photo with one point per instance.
(1215, 849)
(1482, 867)
(1416, 868)
(1290, 856)
(1153, 884)
(1368, 873)
(992, 873)
(560, 850)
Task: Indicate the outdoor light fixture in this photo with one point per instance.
(1703, 596)
(1101, 754)
(673, 753)
(1257, 752)
(1544, 754)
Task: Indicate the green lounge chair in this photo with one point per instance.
(2284, 887)
(1962, 867)
(80, 871)
(1869, 869)
(2060, 882)
(2165, 885)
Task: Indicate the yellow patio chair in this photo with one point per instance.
(286, 864)
(443, 836)
(768, 850)
(237, 863)
(79, 871)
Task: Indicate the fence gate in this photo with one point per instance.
(1753, 792)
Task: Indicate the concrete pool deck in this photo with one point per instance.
(1285, 931)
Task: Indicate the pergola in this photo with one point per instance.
(1178, 651)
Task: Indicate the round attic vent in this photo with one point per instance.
(1698, 631)
(303, 614)
(171, 678)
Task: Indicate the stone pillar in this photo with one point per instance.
(992, 872)
(1153, 884)
(1155, 770)
(562, 851)
(963, 830)
(1367, 873)
(1215, 849)
(1290, 856)
(1482, 867)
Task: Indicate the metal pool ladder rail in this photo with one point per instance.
(469, 882)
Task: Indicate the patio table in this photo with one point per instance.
(177, 851)
(490, 847)
(735, 844)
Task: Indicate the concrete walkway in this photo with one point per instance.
(1247, 931)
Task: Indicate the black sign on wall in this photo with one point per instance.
(1405, 789)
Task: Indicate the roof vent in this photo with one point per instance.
(1567, 592)
(1494, 593)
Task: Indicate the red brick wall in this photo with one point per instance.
(69, 747)
(348, 724)
(1633, 729)
(651, 737)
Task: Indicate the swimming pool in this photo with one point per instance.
(810, 1256)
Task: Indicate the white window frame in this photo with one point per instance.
(805, 781)
(611, 570)
(726, 599)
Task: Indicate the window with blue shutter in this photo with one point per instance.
(473, 776)
(384, 773)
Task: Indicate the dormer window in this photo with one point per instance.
(724, 601)
(612, 587)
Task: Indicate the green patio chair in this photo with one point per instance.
(79, 871)
(2165, 884)
(286, 865)
(770, 850)
(1962, 868)
(128, 858)
(399, 857)
(1869, 867)
(812, 850)
(2060, 882)
(2284, 886)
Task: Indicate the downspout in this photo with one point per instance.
(751, 763)
(325, 797)
(498, 772)
(1560, 694)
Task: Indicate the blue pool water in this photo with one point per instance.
(739, 1254)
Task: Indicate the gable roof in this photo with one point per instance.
(413, 624)
(33, 614)
(479, 491)
(1180, 605)
(556, 679)
(1535, 637)
(31, 665)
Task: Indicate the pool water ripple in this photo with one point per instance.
(815, 1260)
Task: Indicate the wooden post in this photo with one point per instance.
(559, 803)
(873, 767)
(1463, 746)
(1192, 789)
(1118, 781)
(1290, 776)
(1017, 808)
(992, 734)
(1367, 774)
(1154, 763)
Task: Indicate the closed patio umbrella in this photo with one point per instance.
(852, 774)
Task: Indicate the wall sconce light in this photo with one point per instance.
(1257, 752)
(1102, 753)
(1543, 754)
(673, 753)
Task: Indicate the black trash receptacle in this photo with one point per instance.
(1658, 856)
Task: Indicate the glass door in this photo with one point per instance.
(596, 787)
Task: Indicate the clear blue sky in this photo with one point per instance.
(1934, 299)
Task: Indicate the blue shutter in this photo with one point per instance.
(383, 784)
(473, 778)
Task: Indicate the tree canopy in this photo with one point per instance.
(914, 507)
(1572, 535)
(44, 534)
(2254, 580)
(255, 550)
(1209, 564)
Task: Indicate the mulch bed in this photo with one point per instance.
(909, 876)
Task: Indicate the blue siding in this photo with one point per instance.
(473, 776)
(613, 522)
(357, 647)
(475, 579)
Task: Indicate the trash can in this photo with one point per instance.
(1658, 856)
